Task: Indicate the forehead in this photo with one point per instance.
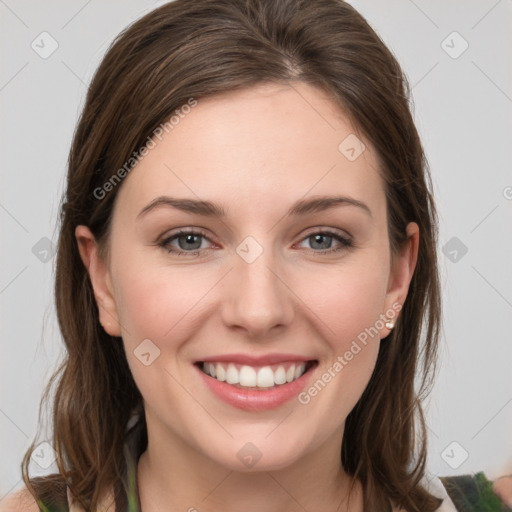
(257, 149)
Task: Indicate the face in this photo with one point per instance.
(260, 286)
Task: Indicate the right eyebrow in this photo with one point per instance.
(197, 206)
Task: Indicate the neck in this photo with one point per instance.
(172, 475)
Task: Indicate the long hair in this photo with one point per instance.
(194, 49)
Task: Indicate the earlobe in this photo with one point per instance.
(99, 275)
(402, 270)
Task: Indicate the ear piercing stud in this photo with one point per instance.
(390, 324)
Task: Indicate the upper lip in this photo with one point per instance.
(252, 360)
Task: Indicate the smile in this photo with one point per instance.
(244, 376)
(255, 385)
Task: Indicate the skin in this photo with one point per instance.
(264, 148)
(502, 487)
(255, 152)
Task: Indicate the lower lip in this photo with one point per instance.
(254, 400)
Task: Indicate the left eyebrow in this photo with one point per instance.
(321, 203)
(211, 209)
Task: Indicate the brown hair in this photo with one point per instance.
(193, 49)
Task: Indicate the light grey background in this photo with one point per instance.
(463, 110)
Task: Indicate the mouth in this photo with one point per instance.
(257, 378)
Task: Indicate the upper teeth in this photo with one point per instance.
(263, 377)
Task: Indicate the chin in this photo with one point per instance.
(253, 453)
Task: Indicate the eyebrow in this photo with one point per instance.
(210, 209)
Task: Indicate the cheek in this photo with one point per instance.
(151, 305)
(154, 310)
(153, 302)
(348, 305)
(347, 298)
(339, 303)
(162, 304)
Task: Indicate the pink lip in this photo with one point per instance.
(255, 400)
(255, 360)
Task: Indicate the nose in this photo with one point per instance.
(257, 299)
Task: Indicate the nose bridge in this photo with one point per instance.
(258, 299)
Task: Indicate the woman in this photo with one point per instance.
(246, 261)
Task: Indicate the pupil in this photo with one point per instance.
(322, 240)
(325, 244)
(189, 240)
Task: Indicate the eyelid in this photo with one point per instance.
(328, 230)
(345, 239)
(166, 239)
(187, 230)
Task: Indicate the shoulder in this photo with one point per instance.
(502, 487)
(19, 501)
(51, 492)
(473, 492)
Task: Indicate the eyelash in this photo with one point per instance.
(346, 243)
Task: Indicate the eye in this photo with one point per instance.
(323, 241)
(190, 242)
(185, 242)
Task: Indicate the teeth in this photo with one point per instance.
(265, 377)
(232, 375)
(280, 375)
(220, 373)
(299, 370)
(247, 376)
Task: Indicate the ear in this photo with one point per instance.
(402, 270)
(100, 280)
